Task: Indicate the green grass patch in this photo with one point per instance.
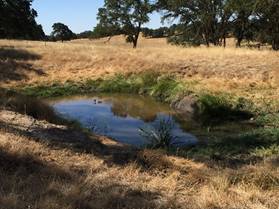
(165, 88)
(216, 108)
(160, 87)
(53, 90)
(258, 143)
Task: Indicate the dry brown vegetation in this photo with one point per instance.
(217, 69)
(57, 170)
(49, 166)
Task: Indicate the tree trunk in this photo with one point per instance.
(207, 42)
(238, 43)
(135, 41)
(275, 45)
(136, 38)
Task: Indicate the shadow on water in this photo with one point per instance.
(40, 182)
(133, 112)
(14, 64)
(71, 187)
(122, 116)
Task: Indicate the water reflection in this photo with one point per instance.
(121, 116)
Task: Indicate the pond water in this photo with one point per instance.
(122, 116)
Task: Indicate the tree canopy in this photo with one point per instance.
(208, 22)
(212, 21)
(126, 16)
(61, 32)
(17, 20)
(267, 12)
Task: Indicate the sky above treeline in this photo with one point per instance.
(79, 15)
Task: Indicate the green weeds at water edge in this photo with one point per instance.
(261, 142)
(165, 88)
(216, 108)
(160, 136)
(256, 144)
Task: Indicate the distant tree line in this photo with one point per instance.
(61, 32)
(208, 22)
(17, 20)
(155, 33)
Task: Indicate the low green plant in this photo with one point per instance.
(165, 88)
(118, 83)
(265, 152)
(160, 136)
(268, 120)
(217, 108)
(259, 143)
(54, 90)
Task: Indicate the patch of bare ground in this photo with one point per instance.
(44, 165)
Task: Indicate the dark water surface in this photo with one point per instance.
(121, 116)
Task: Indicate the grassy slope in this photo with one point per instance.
(214, 176)
(243, 71)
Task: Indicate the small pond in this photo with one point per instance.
(122, 116)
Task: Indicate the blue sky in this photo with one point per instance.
(79, 15)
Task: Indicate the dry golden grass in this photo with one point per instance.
(217, 69)
(47, 166)
(40, 171)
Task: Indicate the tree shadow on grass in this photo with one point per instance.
(230, 152)
(8, 52)
(27, 182)
(14, 66)
(23, 179)
(75, 140)
(236, 151)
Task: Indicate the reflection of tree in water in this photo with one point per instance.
(143, 108)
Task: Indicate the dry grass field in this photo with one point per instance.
(216, 69)
(53, 171)
(48, 166)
